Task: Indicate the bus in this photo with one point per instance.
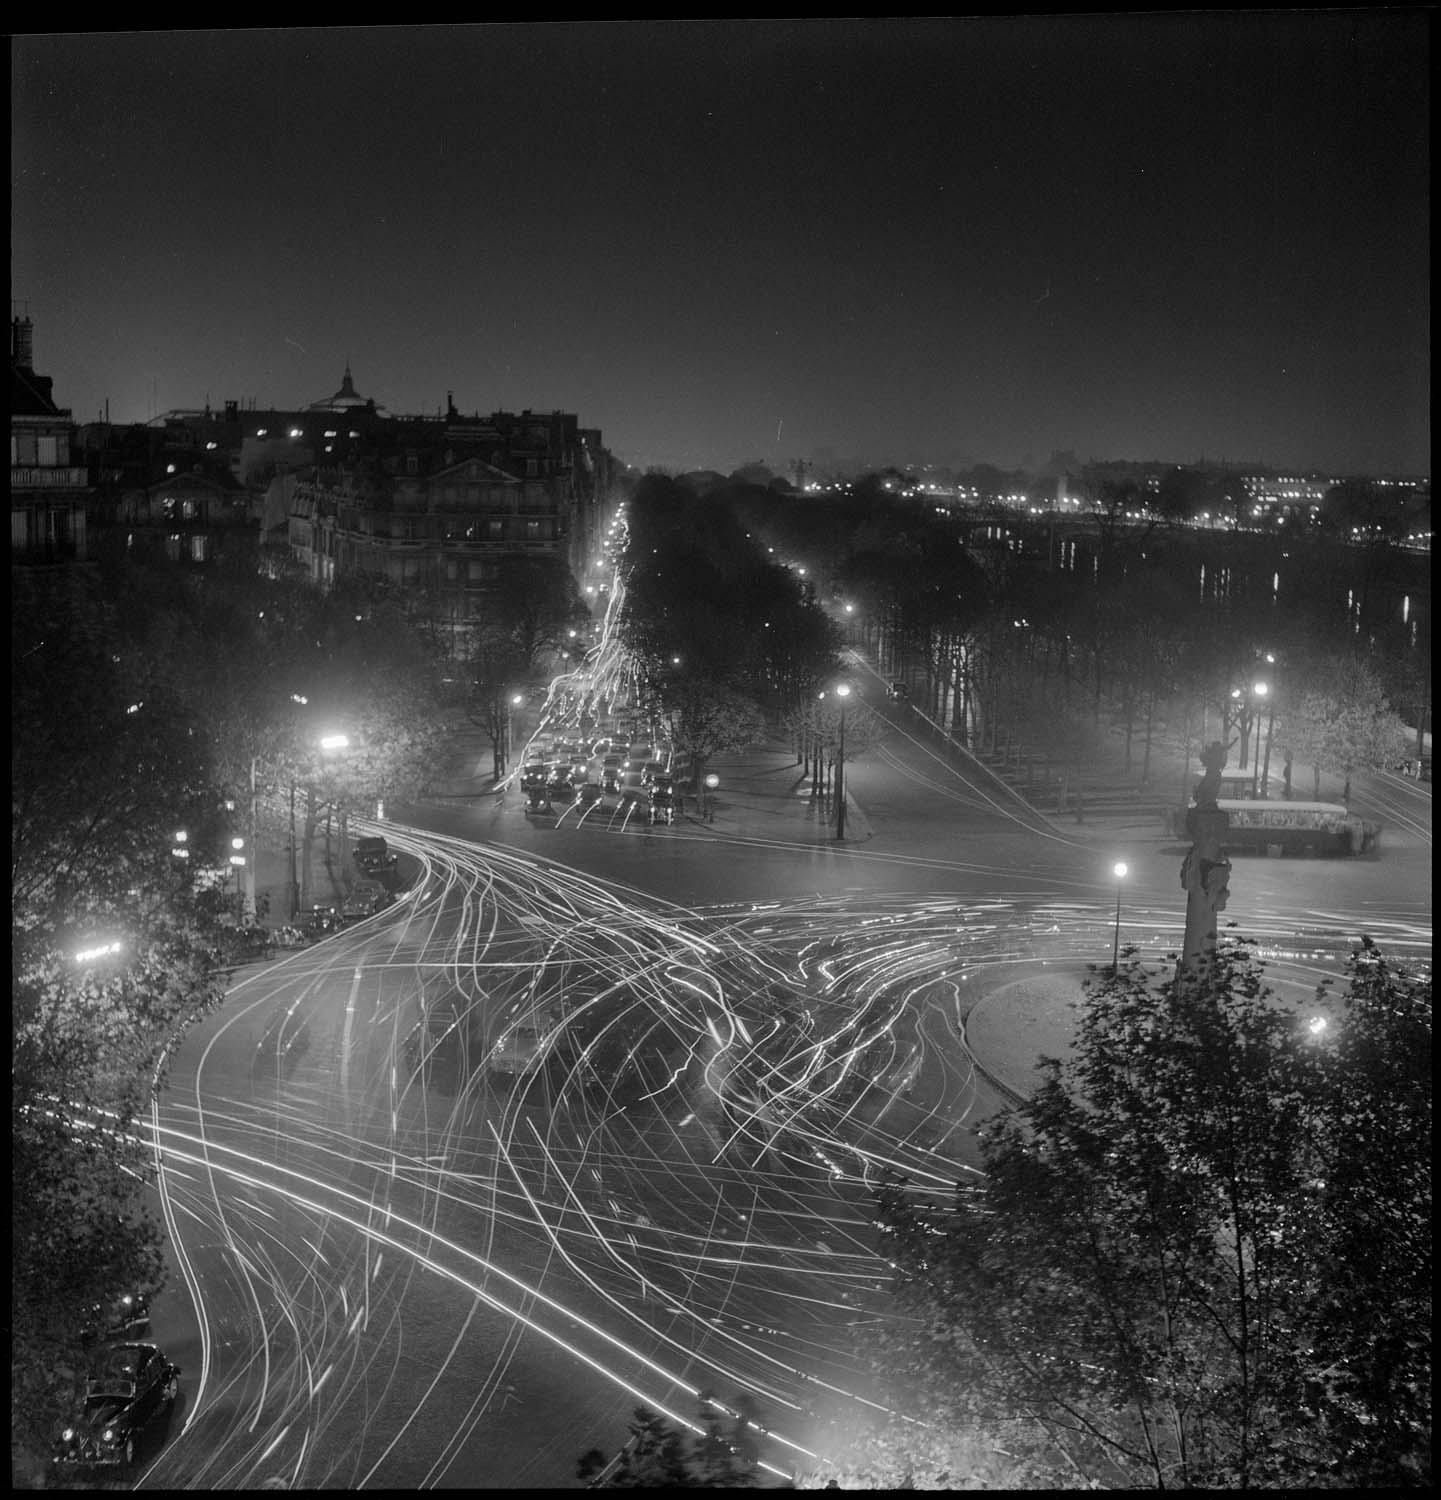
(1290, 828)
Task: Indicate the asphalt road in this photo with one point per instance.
(395, 1266)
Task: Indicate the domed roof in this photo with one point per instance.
(347, 396)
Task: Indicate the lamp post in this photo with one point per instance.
(1120, 870)
(294, 883)
(1259, 691)
(707, 811)
(843, 691)
(516, 699)
(238, 860)
(1270, 729)
(1238, 719)
(332, 744)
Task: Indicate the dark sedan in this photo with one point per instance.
(131, 1384)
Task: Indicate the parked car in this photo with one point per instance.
(662, 808)
(131, 1384)
(320, 921)
(559, 786)
(589, 793)
(372, 854)
(611, 770)
(537, 799)
(365, 899)
(532, 774)
(652, 771)
(243, 945)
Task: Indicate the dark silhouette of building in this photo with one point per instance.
(48, 490)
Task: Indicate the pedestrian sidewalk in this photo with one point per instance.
(764, 794)
(272, 882)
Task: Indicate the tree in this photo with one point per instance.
(536, 603)
(105, 764)
(1341, 722)
(1200, 1252)
(707, 719)
(718, 1454)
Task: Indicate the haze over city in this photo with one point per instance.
(979, 239)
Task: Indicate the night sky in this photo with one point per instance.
(1130, 236)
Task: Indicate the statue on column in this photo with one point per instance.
(1205, 871)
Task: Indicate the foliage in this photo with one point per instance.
(1200, 1254)
(709, 719)
(534, 602)
(905, 1453)
(820, 719)
(106, 759)
(1340, 721)
(705, 591)
(721, 1454)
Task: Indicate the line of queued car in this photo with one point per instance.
(129, 1383)
(566, 772)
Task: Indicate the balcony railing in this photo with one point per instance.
(72, 478)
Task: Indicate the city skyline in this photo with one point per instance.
(1128, 236)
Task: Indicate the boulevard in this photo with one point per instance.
(397, 1266)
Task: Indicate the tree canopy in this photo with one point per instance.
(1200, 1252)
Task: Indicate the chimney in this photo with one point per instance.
(22, 349)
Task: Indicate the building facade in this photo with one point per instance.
(49, 488)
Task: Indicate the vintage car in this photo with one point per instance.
(373, 856)
(130, 1384)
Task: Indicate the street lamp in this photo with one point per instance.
(1259, 690)
(707, 811)
(516, 699)
(1270, 730)
(1120, 870)
(843, 691)
(238, 860)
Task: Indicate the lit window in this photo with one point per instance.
(331, 433)
(295, 432)
(261, 431)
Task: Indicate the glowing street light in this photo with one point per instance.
(335, 742)
(843, 691)
(1120, 870)
(1259, 690)
(516, 699)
